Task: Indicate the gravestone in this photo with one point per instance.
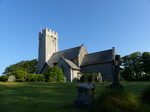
(85, 78)
(85, 95)
(100, 77)
(93, 78)
(64, 79)
(11, 78)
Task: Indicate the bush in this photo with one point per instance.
(118, 101)
(30, 77)
(122, 79)
(35, 77)
(144, 78)
(89, 77)
(54, 74)
(146, 96)
(4, 78)
(20, 75)
(39, 77)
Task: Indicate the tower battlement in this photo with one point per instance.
(48, 44)
(49, 32)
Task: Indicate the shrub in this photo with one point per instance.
(20, 75)
(35, 77)
(54, 74)
(146, 96)
(39, 77)
(30, 77)
(122, 79)
(144, 78)
(4, 78)
(89, 77)
(118, 101)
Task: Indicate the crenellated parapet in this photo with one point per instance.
(48, 32)
(48, 44)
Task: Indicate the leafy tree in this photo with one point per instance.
(131, 66)
(54, 74)
(126, 70)
(31, 66)
(28, 66)
(135, 59)
(146, 62)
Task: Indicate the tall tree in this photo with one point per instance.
(126, 70)
(27, 66)
(146, 62)
(135, 59)
(131, 65)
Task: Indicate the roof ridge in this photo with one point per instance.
(69, 62)
(67, 49)
(99, 52)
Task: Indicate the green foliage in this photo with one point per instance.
(122, 79)
(89, 77)
(30, 77)
(24, 76)
(20, 75)
(39, 77)
(54, 74)
(4, 78)
(146, 62)
(135, 65)
(117, 101)
(28, 66)
(146, 95)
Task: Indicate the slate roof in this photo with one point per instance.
(98, 57)
(71, 64)
(67, 54)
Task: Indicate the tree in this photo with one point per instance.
(135, 59)
(146, 62)
(28, 66)
(126, 70)
(131, 66)
(54, 74)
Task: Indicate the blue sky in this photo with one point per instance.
(98, 24)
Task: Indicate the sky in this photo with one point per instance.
(98, 24)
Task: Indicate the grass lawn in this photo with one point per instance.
(50, 97)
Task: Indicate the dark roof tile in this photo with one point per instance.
(98, 57)
(67, 54)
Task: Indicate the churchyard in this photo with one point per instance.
(51, 97)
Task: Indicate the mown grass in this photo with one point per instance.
(50, 97)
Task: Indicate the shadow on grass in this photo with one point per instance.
(39, 97)
(49, 97)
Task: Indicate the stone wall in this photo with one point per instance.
(81, 55)
(75, 77)
(48, 44)
(105, 69)
(66, 69)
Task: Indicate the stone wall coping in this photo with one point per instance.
(85, 86)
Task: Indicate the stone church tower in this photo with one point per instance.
(48, 44)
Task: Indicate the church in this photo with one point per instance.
(73, 61)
